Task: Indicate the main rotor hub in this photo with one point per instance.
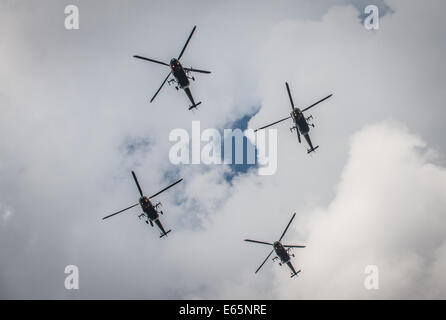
(296, 113)
(174, 62)
(144, 200)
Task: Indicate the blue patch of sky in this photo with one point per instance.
(134, 144)
(362, 4)
(236, 169)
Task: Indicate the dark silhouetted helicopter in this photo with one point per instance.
(180, 74)
(301, 124)
(282, 251)
(150, 211)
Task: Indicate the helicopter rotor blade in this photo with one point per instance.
(317, 103)
(292, 246)
(151, 60)
(187, 42)
(287, 227)
(165, 189)
(196, 70)
(271, 124)
(137, 184)
(164, 82)
(261, 242)
(264, 261)
(289, 94)
(113, 214)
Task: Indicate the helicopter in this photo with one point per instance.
(301, 123)
(150, 211)
(282, 251)
(180, 74)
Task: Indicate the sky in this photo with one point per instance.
(75, 119)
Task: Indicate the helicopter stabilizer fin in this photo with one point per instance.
(165, 234)
(312, 149)
(295, 274)
(194, 106)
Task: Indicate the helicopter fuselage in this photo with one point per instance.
(179, 73)
(281, 252)
(300, 121)
(284, 257)
(148, 208)
(152, 214)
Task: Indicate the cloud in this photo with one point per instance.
(389, 211)
(5, 214)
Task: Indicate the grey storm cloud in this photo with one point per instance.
(75, 120)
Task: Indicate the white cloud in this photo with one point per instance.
(390, 211)
(5, 214)
(69, 103)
